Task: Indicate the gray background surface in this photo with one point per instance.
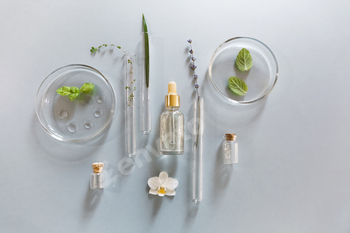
(293, 174)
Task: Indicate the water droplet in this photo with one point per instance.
(98, 113)
(72, 127)
(62, 114)
(100, 99)
(88, 125)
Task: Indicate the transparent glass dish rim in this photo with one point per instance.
(42, 89)
(222, 95)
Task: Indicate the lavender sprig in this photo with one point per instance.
(196, 86)
(193, 67)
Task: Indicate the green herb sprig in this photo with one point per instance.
(74, 92)
(131, 96)
(145, 30)
(95, 49)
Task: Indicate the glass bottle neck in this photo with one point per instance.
(172, 108)
(229, 141)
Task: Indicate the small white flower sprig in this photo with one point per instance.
(162, 185)
(193, 67)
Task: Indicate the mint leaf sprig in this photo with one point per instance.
(74, 92)
(244, 60)
(237, 86)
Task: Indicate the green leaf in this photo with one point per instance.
(74, 90)
(145, 30)
(237, 86)
(244, 60)
(87, 87)
(73, 96)
(64, 91)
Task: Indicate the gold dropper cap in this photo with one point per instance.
(98, 167)
(172, 99)
(230, 136)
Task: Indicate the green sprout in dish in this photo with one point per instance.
(74, 92)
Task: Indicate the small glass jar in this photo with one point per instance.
(97, 177)
(230, 149)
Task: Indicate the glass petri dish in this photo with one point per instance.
(83, 118)
(260, 79)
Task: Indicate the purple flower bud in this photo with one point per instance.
(193, 58)
(195, 76)
(189, 41)
(196, 86)
(191, 51)
(193, 67)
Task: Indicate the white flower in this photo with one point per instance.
(162, 185)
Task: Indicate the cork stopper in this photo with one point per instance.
(230, 136)
(97, 167)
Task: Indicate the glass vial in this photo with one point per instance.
(145, 103)
(130, 88)
(97, 177)
(197, 150)
(172, 124)
(230, 149)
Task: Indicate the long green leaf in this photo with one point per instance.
(146, 50)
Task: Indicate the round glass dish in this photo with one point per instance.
(83, 118)
(260, 79)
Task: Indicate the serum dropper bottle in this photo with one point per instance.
(172, 124)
